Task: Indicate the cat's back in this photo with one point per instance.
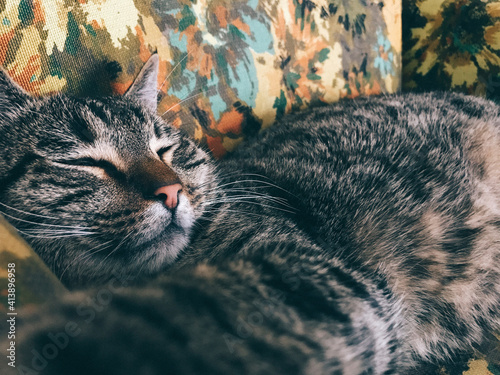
(406, 185)
(412, 150)
(393, 160)
(370, 127)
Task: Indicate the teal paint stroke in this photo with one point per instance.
(243, 79)
(217, 104)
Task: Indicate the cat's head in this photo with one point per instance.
(99, 186)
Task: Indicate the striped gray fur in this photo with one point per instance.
(357, 238)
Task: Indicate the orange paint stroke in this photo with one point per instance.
(303, 90)
(121, 88)
(374, 90)
(162, 76)
(195, 49)
(198, 61)
(39, 13)
(280, 29)
(238, 23)
(230, 122)
(176, 123)
(95, 25)
(169, 107)
(221, 14)
(215, 145)
(144, 53)
(4, 44)
(352, 85)
(206, 66)
(24, 77)
(367, 88)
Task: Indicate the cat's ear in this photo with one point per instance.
(144, 87)
(12, 97)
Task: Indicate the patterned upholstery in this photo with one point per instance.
(452, 45)
(235, 66)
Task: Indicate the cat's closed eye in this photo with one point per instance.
(103, 164)
(163, 151)
(85, 162)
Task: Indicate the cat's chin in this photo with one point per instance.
(162, 251)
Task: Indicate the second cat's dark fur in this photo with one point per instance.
(358, 238)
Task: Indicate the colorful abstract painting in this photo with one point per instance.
(228, 68)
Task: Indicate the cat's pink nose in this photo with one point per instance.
(171, 192)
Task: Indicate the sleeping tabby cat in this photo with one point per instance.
(358, 238)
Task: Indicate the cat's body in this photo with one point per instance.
(358, 238)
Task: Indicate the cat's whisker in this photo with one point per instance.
(235, 182)
(117, 246)
(242, 198)
(268, 200)
(28, 213)
(208, 219)
(48, 232)
(139, 272)
(234, 192)
(265, 183)
(216, 210)
(182, 101)
(54, 236)
(173, 70)
(231, 175)
(251, 174)
(40, 231)
(249, 192)
(50, 237)
(225, 189)
(88, 254)
(228, 176)
(42, 224)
